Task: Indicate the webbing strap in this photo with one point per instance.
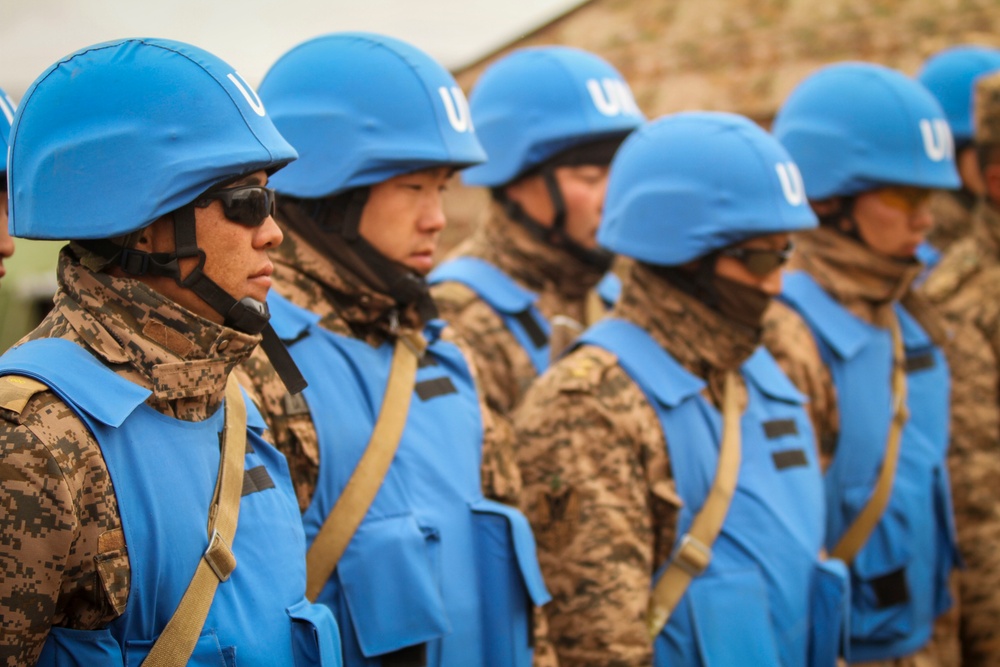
(595, 308)
(360, 491)
(857, 534)
(694, 552)
(177, 641)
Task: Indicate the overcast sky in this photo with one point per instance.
(252, 34)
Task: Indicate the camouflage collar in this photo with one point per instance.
(172, 351)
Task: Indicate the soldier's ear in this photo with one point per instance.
(991, 182)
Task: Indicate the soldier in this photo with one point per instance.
(550, 119)
(964, 284)
(153, 156)
(418, 565)
(627, 480)
(951, 76)
(872, 144)
(6, 242)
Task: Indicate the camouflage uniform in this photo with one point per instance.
(598, 483)
(965, 285)
(564, 285)
(867, 285)
(952, 212)
(63, 558)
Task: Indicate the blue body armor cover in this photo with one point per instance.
(609, 289)
(434, 565)
(164, 471)
(766, 598)
(899, 578)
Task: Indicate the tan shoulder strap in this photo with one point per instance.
(361, 489)
(453, 294)
(17, 390)
(177, 641)
(857, 534)
(694, 552)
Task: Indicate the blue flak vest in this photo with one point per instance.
(899, 579)
(609, 289)
(766, 598)
(164, 472)
(435, 572)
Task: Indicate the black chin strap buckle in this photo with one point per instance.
(248, 315)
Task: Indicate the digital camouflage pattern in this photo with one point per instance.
(564, 285)
(63, 557)
(598, 484)
(867, 284)
(966, 285)
(952, 213)
(986, 109)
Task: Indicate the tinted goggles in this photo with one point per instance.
(248, 205)
(904, 198)
(760, 261)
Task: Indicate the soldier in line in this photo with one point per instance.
(872, 145)
(6, 242)
(550, 119)
(964, 285)
(153, 157)
(427, 568)
(632, 444)
(951, 76)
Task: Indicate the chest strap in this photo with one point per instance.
(857, 534)
(350, 509)
(694, 551)
(177, 641)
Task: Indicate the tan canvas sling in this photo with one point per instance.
(694, 553)
(359, 493)
(857, 534)
(177, 641)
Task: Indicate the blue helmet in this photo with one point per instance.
(951, 76)
(362, 108)
(688, 184)
(6, 117)
(540, 101)
(116, 135)
(853, 127)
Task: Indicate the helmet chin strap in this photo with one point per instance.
(555, 235)
(247, 315)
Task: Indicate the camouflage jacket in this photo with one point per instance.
(564, 286)
(966, 285)
(867, 285)
(349, 307)
(63, 557)
(598, 484)
(952, 213)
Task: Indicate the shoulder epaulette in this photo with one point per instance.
(17, 390)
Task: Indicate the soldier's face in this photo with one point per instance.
(893, 221)
(582, 187)
(736, 269)
(404, 216)
(235, 255)
(6, 242)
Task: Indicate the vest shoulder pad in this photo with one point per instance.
(962, 261)
(17, 390)
(491, 284)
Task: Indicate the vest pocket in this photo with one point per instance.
(829, 613)
(880, 589)
(510, 583)
(391, 586)
(207, 652)
(81, 648)
(315, 637)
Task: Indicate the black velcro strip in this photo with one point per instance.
(428, 389)
(891, 589)
(534, 330)
(411, 656)
(427, 360)
(789, 458)
(779, 427)
(920, 362)
(256, 479)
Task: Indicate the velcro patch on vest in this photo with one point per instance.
(427, 360)
(411, 656)
(790, 458)
(891, 589)
(295, 404)
(256, 479)
(534, 330)
(920, 362)
(780, 427)
(429, 389)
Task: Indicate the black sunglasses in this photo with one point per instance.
(248, 205)
(760, 261)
